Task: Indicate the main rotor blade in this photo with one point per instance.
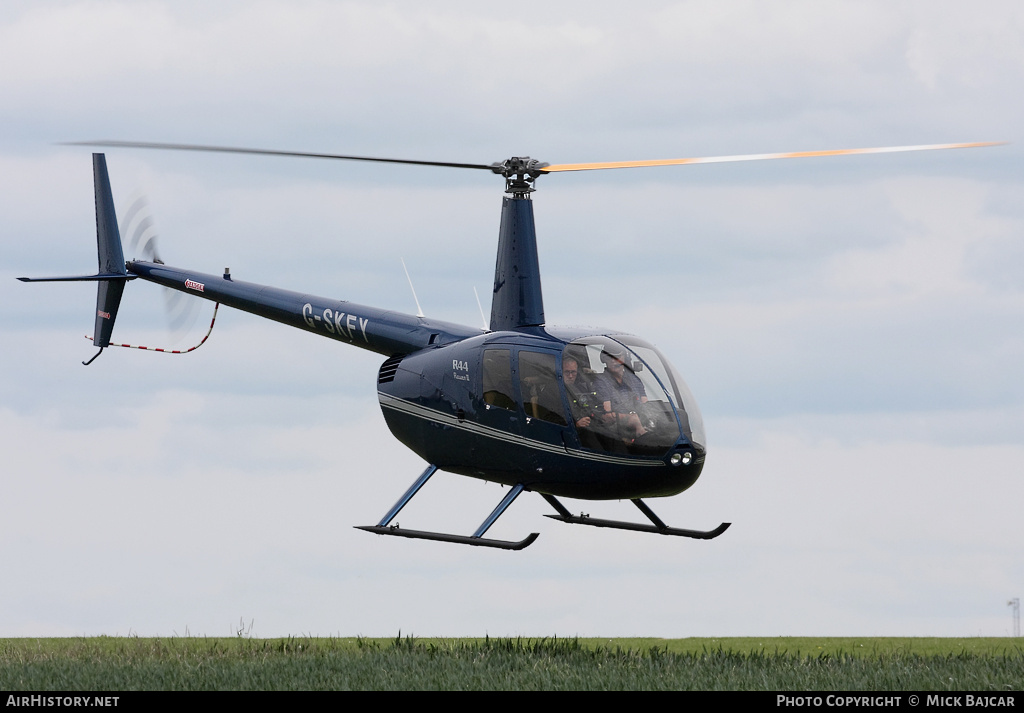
(264, 152)
(757, 157)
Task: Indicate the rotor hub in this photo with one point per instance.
(520, 172)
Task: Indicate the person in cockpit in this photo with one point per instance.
(621, 394)
(582, 400)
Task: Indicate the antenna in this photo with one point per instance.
(419, 310)
(483, 319)
(1014, 604)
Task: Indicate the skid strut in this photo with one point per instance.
(384, 527)
(658, 527)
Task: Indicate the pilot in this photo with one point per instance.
(621, 393)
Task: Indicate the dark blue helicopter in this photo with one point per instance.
(594, 415)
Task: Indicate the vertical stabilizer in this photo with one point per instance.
(517, 300)
(111, 258)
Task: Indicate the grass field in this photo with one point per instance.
(122, 664)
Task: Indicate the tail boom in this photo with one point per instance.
(377, 330)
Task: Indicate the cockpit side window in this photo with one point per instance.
(497, 376)
(539, 386)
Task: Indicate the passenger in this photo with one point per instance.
(582, 400)
(621, 393)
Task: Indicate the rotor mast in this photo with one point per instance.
(517, 300)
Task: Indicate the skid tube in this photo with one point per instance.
(476, 539)
(659, 527)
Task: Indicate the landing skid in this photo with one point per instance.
(458, 539)
(658, 527)
(476, 539)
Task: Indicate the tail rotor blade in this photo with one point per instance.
(137, 224)
(181, 310)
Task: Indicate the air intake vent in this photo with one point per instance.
(388, 369)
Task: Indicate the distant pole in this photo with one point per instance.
(1015, 606)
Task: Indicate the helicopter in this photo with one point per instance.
(563, 412)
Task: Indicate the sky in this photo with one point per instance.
(851, 327)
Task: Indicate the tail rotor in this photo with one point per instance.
(139, 227)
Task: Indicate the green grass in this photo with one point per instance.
(121, 664)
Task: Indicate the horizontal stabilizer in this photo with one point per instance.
(112, 274)
(80, 278)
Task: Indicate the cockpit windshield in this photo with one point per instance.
(683, 399)
(625, 397)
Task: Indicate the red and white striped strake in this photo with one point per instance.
(172, 351)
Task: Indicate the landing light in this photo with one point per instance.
(681, 458)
